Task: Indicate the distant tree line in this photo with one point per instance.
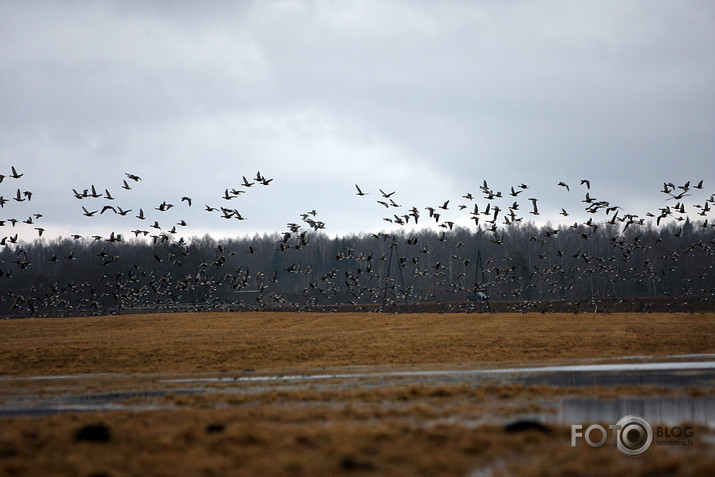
(305, 269)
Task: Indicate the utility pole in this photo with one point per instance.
(479, 293)
(394, 248)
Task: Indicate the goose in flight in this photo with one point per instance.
(133, 177)
(262, 179)
(14, 174)
(359, 191)
(536, 210)
(88, 213)
(563, 184)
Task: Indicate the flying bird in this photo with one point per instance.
(536, 210)
(359, 191)
(88, 213)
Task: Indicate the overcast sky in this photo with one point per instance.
(425, 98)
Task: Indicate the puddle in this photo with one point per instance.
(671, 411)
(637, 374)
(667, 411)
(33, 405)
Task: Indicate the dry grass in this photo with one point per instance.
(193, 342)
(246, 441)
(331, 429)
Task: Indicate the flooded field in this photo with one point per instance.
(43, 395)
(508, 415)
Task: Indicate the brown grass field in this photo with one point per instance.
(336, 429)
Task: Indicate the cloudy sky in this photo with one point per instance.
(425, 98)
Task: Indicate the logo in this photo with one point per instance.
(632, 435)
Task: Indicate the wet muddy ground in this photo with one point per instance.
(683, 386)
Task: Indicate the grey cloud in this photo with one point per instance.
(431, 97)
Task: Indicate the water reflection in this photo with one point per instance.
(661, 378)
(669, 411)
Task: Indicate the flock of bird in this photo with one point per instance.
(163, 234)
(363, 281)
(491, 213)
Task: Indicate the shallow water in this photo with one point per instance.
(581, 375)
(58, 394)
(671, 411)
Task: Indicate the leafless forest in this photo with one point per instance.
(522, 267)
